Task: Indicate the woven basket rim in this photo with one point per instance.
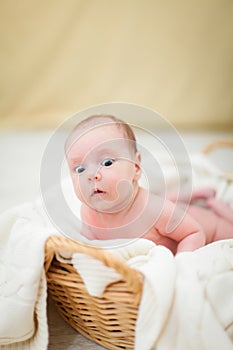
(59, 243)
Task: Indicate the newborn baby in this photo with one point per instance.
(105, 168)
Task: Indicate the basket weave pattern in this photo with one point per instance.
(108, 320)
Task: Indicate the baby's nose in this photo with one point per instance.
(94, 176)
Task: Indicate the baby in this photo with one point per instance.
(105, 168)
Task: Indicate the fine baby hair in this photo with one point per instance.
(99, 120)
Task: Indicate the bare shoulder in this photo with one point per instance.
(154, 204)
(147, 195)
(155, 198)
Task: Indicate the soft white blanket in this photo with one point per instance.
(23, 320)
(187, 301)
(201, 316)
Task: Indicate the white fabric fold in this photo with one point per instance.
(201, 317)
(205, 173)
(95, 274)
(157, 297)
(22, 280)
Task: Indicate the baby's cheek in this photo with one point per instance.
(77, 187)
(119, 181)
(112, 184)
(124, 189)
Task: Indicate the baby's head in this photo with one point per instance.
(100, 121)
(104, 162)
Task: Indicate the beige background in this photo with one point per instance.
(61, 56)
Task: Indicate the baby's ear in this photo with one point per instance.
(138, 157)
(137, 166)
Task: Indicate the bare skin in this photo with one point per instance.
(216, 217)
(105, 178)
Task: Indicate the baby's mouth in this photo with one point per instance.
(97, 191)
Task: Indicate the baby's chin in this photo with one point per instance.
(109, 206)
(112, 202)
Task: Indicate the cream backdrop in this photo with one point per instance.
(61, 56)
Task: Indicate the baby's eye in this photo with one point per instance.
(107, 162)
(79, 169)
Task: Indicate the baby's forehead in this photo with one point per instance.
(98, 142)
(98, 128)
(95, 132)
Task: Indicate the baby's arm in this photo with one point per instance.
(181, 227)
(192, 241)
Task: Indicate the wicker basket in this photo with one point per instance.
(217, 144)
(108, 320)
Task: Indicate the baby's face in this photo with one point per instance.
(104, 169)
